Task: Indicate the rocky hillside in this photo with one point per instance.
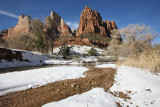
(92, 29)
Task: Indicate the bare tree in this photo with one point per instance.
(137, 38)
(141, 34)
(52, 31)
(116, 37)
(115, 42)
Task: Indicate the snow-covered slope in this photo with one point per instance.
(77, 49)
(16, 81)
(79, 54)
(20, 58)
(26, 58)
(96, 97)
(141, 86)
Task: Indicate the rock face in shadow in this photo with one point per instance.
(63, 28)
(3, 34)
(91, 22)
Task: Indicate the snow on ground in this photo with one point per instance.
(60, 62)
(33, 58)
(107, 66)
(81, 60)
(96, 97)
(140, 85)
(77, 49)
(144, 86)
(16, 81)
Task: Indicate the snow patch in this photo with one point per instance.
(77, 49)
(107, 66)
(143, 85)
(16, 81)
(96, 97)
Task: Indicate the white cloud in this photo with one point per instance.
(73, 25)
(9, 14)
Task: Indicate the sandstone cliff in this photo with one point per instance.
(91, 22)
(63, 28)
(91, 31)
(22, 27)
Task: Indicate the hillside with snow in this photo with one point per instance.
(80, 50)
(77, 55)
(20, 58)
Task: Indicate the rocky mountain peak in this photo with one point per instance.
(22, 27)
(62, 27)
(23, 19)
(91, 22)
(54, 16)
(88, 12)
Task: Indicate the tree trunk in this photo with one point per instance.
(52, 49)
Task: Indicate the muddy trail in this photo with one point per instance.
(36, 97)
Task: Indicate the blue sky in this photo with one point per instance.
(124, 12)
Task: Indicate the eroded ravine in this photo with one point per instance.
(36, 97)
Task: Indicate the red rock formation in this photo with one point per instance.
(82, 41)
(22, 27)
(63, 28)
(110, 25)
(91, 22)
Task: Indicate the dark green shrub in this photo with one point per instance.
(65, 51)
(93, 52)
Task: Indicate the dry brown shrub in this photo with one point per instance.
(149, 59)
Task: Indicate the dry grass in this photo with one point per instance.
(149, 59)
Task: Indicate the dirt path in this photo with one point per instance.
(36, 97)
